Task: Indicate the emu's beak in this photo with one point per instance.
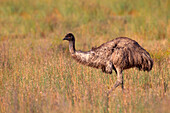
(66, 38)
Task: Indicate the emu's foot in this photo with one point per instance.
(117, 83)
(109, 92)
(125, 91)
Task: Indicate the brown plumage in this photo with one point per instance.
(118, 54)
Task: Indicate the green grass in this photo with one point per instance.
(37, 73)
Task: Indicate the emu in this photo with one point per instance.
(118, 54)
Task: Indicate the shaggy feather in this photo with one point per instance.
(121, 52)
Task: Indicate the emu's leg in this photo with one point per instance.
(118, 81)
(122, 84)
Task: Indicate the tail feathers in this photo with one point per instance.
(147, 62)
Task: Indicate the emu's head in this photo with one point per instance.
(69, 37)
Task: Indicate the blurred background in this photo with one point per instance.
(109, 19)
(37, 73)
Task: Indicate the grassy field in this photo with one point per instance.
(38, 75)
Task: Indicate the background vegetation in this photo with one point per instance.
(37, 73)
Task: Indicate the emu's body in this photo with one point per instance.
(118, 54)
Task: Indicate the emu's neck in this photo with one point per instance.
(72, 47)
(80, 56)
(87, 58)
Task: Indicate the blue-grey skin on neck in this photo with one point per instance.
(72, 47)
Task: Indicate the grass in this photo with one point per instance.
(37, 73)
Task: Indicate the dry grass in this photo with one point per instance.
(37, 73)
